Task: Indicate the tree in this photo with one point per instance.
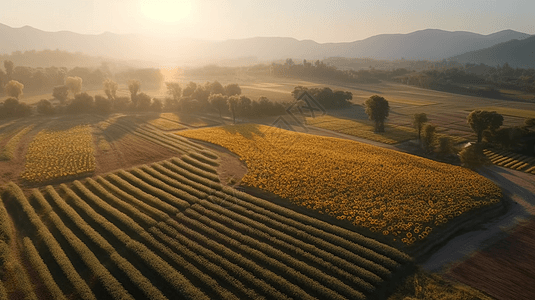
(8, 65)
(218, 101)
(156, 105)
(174, 90)
(445, 145)
(82, 103)
(61, 93)
(244, 106)
(110, 88)
(143, 102)
(480, 120)
(418, 121)
(189, 89)
(74, 84)
(44, 107)
(232, 89)
(134, 86)
(14, 89)
(472, 156)
(377, 109)
(429, 131)
(232, 102)
(216, 88)
(102, 105)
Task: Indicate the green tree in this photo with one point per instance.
(480, 120)
(14, 89)
(74, 84)
(156, 105)
(218, 101)
(418, 121)
(377, 109)
(244, 106)
(61, 93)
(110, 88)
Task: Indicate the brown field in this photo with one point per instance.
(504, 270)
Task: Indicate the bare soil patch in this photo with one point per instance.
(506, 269)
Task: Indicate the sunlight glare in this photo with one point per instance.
(165, 10)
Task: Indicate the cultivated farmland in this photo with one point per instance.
(170, 230)
(399, 195)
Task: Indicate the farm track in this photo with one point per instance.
(170, 229)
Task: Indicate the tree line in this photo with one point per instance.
(40, 79)
(485, 124)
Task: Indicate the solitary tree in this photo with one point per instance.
(377, 109)
(480, 120)
(174, 90)
(232, 89)
(110, 88)
(61, 93)
(232, 102)
(74, 84)
(8, 65)
(418, 121)
(218, 101)
(134, 86)
(14, 89)
(244, 106)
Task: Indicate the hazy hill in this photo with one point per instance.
(430, 44)
(517, 53)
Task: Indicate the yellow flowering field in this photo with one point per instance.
(396, 194)
(59, 153)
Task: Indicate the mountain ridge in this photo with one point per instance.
(425, 44)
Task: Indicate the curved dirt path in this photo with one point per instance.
(519, 192)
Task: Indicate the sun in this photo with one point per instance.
(165, 10)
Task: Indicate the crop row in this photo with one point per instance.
(8, 151)
(205, 187)
(45, 236)
(173, 277)
(103, 245)
(134, 229)
(511, 160)
(147, 221)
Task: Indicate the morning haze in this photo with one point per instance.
(234, 149)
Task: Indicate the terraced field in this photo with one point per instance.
(171, 230)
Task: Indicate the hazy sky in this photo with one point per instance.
(322, 21)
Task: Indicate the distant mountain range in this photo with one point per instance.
(429, 44)
(517, 53)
